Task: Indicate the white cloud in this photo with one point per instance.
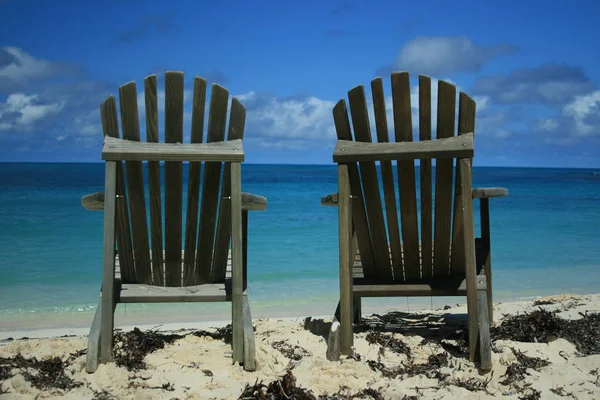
(585, 111)
(18, 68)
(440, 55)
(21, 112)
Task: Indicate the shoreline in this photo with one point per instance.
(166, 318)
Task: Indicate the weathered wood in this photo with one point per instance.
(154, 194)
(466, 123)
(93, 201)
(92, 359)
(470, 255)
(346, 259)
(370, 182)
(437, 287)
(249, 346)
(210, 191)
(359, 214)
(441, 149)
(425, 181)
(237, 263)
(443, 180)
(110, 127)
(387, 177)
(406, 174)
(485, 344)
(486, 193)
(117, 149)
(108, 259)
(135, 184)
(333, 341)
(193, 190)
(173, 178)
(237, 120)
(250, 202)
(139, 293)
(484, 215)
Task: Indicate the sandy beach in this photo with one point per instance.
(398, 355)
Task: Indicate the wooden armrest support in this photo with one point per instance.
(250, 202)
(347, 151)
(486, 193)
(128, 150)
(330, 200)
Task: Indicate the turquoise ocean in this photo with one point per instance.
(545, 240)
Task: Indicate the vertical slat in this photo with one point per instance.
(466, 124)
(217, 120)
(470, 256)
(237, 120)
(135, 185)
(173, 178)
(426, 200)
(359, 214)
(406, 176)
(237, 317)
(346, 258)
(368, 173)
(110, 127)
(108, 271)
(193, 190)
(387, 176)
(484, 214)
(154, 182)
(443, 181)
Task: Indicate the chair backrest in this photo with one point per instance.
(195, 252)
(412, 253)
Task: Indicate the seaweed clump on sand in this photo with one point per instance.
(225, 334)
(285, 388)
(42, 374)
(431, 368)
(543, 326)
(131, 347)
(388, 342)
(516, 371)
(293, 352)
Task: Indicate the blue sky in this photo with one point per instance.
(532, 67)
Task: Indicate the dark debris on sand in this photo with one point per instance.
(543, 326)
(42, 374)
(293, 352)
(285, 388)
(516, 371)
(388, 342)
(130, 348)
(431, 368)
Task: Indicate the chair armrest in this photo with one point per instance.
(486, 193)
(330, 200)
(347, 151)
(252, 202)
(128, 150)
(95, 201)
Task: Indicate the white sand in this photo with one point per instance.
(184, 365)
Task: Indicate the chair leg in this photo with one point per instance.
(484, 341)
(93, 350)
(357, 309)
(249, 347)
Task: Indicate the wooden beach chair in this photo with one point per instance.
(194, 263)
(434, 255)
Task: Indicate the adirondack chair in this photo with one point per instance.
(206, 270)
(441, 257)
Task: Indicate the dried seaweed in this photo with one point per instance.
(225, 334)
(471, 384)
(388, 342)
(131, 347)
(429, 369)
(543, 326)
(531, 394)
(516, 371)
(285, 388)
(44, 374)
(293, 352)
(560, 391)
